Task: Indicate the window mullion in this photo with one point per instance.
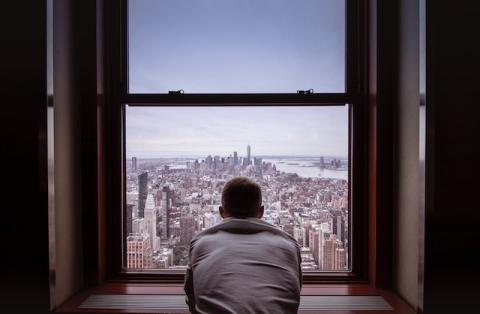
(244, 99)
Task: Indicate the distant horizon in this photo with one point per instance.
(197, 156)
(270, 131)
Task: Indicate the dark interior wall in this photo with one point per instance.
(382, 24)
(24, 277)
(452, 216)
(67, 48)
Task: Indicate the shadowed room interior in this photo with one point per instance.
(91, 87)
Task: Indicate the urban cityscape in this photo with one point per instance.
(171, 199)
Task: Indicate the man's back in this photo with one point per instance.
(244, 266)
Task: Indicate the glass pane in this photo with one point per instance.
(236, 46)
(179, 158)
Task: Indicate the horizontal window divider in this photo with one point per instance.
(241, 99)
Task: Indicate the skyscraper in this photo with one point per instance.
(340, 259)
(151, 222)
(142, 193)
(134, 164)
(164, 213)
(209, 161)
(321, 248)
(248, 154)
(129, 218)
(187, 229)
(138, 225)
(338, 227)
(334, 257)
(235, 158)
(313, 243)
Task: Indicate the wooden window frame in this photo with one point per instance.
(115, 46)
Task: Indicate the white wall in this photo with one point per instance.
(68, 223)
(408, 184)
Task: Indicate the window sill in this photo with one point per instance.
(72, 305)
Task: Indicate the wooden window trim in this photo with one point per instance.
(109, 127)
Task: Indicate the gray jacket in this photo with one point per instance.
(243, 266)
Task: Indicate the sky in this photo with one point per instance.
(153, 132)
(236, 46)
(244, 46)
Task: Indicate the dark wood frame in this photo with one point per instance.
(110, 223)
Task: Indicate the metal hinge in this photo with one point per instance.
(305, 92)
(175, 92)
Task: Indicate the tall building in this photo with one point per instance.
(187, 229)
(151, 223)
(138, 225)
(298, 234)
(334, 258)
(257, 162)
(316, 243)
(209, 161)
(313, 244)
(164, 213)
(306, 231)
(235, 158)
(248, 155)
(129, 218)
(329, 253)
(340, 259)
(338, 227)
(322, 235)
(134, 164)
(139, 254)
(142, 193)
(322, 163)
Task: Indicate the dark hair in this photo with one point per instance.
(241, 197)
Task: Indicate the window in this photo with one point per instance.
(208, 90)
(179, 158)
(231, 46)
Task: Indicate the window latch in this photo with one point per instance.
(305, 92)
(175, 92)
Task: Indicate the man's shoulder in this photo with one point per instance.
(244, 226)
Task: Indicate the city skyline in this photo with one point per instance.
(168, 132)
(168, 201)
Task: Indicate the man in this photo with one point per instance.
(243, 264)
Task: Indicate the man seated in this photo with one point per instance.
(243, 264)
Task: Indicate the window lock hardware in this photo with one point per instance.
(305, 92)
(175, 92)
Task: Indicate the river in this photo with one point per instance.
(305, 168)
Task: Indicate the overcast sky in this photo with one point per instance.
(243, 46)
(204, 46)
(194, 131)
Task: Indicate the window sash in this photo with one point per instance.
(355, 95)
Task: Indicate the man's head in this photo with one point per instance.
(241, 197)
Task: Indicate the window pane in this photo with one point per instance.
(179, 158)
(236, 46)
